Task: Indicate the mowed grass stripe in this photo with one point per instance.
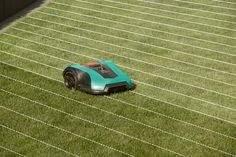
(204, 55)
(77, 117)
(12, 151)
(192, 9)
(181, 11)
(206, 51)
(137, 34)
(150, 22)
(221, 1)
(216, 2)
(22, 142)
(32, 138)
(127, 24)
(84, 124)
(203, 4)
(175, 93)
(172, 13)
(172, 21)
(132, 99)
(114, 3)
(140, 3)
(114, 140)
(143, 21)
(124, 102)
(57, 131)
(174, 97)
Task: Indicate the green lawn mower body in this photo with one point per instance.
(100, 77)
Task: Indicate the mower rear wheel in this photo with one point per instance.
(70, 79)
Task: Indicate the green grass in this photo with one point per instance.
(185, 100)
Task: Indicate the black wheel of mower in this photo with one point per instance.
(70, 80)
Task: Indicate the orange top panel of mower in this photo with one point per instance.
(91, 64)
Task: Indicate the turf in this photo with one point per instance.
(181, 54)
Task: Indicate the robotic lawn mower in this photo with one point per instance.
(100, 77)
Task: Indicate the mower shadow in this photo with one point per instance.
(107, 94)
(112, 93)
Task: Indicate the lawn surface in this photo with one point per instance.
(181, 55)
